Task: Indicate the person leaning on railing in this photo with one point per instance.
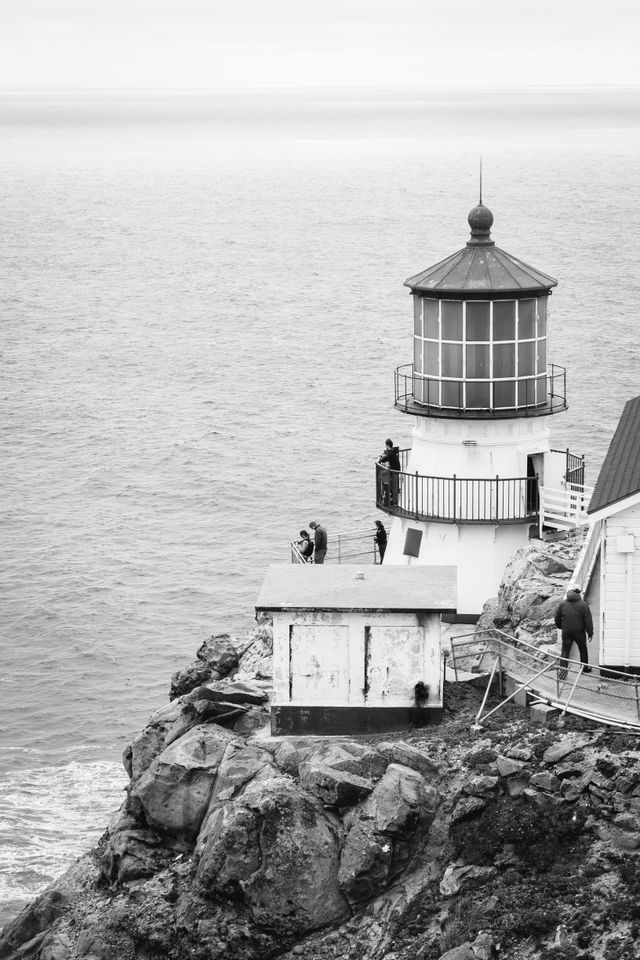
(305, 546)
(391, 457)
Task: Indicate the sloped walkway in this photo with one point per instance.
(610, 697)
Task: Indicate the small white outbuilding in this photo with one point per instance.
(611, 560)
(350, 644)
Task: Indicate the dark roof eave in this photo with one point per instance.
(491, 294)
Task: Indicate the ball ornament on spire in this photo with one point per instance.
(480, 220)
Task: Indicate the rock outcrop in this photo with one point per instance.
(515, 841)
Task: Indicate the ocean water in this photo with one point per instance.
(202, 305)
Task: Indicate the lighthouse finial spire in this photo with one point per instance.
(480, 181)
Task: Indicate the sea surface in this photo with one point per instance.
(202, 305)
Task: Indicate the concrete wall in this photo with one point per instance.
(354, 658)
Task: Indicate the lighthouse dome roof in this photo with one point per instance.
(481, 269)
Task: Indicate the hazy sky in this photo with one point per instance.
(274, 43)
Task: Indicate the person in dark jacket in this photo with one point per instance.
(305, 545)
(391, 456)
(380, 537)
(573, 617)
(319, 542)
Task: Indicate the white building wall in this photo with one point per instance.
(621, 590)
(330, 658)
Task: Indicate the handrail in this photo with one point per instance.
(456, 499)
(424, 395)
(610, 697)
(345, 547)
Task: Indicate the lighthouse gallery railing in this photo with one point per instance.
(455, 499)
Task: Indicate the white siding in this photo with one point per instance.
(621, 597)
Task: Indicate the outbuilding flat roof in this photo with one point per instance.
(339, 587)
(619, 475)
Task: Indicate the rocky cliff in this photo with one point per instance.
(515, 841)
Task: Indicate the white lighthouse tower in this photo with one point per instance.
(481, 391)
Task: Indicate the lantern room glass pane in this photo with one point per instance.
(431, 356)
(504, 360)
(504, 320)
(526, 319)
(526, 358)
(504, 393)
(417, 355)
(431, 328)
(451, 319)
(542, 355)
(478, 320)
(542, 316)
(526, 393)
(541, 390)
(478, 395)
(452, 393)
(417, 316)
(477, 361)
(451, 359)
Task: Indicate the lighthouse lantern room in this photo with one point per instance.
(481, 390)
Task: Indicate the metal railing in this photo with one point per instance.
(456, 499)
(354, 546)
(604, 696)
(536, 395)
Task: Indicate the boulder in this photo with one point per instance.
(176, 788)
(558, 751)
(480, 786)
(508, 767)
(131, 851)
(216, 658)
(410, 756)
(335, 788)
(276, 849)
(385, 830)
(468, 807)
(151, 741)
(349, 756)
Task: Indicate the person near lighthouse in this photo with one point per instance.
(573, 618)
(391, 457)
(319, 542)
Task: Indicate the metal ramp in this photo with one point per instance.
(611, 697)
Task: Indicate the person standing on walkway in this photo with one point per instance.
(573, 617)
(305, 545)
(391, 457)
(380, 537)
(319, 542)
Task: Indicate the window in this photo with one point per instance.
(451, 359)
(477, 361)
(478, 320)
(431, 327)
(431, 357)
(478, 395)
(542, 316)
(417, 316)
(504, 360)
(417, 355)
(526, 319)
(452, 320)
(504, 320)
(526, 358)
(504, 394)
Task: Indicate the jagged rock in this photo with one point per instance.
(175, 790)
(335, 788)
(131, 851)
(410, 756)
(558, 751)
(456, 876)
(461, 952)
(151, 740)
(384, 832)
(481, 785)
(33, 922)
(545, 780)
(482, 946)
(276, 849)
(252, 719)
(508, 767)
(216, 658)
(468, 807)
(349, 756)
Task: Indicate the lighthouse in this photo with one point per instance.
(481, 390)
